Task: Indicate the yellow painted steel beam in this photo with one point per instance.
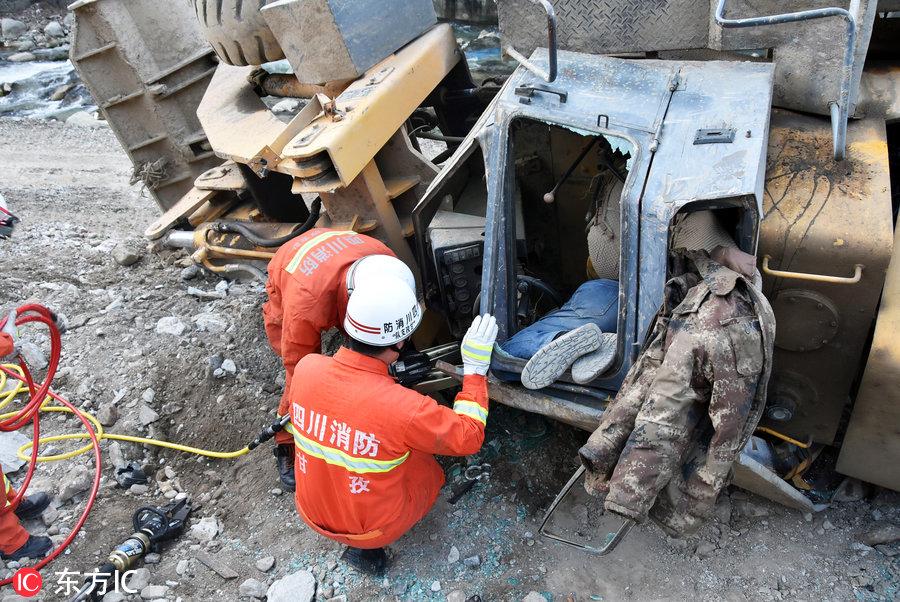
(370, 111)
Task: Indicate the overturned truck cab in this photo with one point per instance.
(585, 179)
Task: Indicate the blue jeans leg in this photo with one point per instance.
(595, 302)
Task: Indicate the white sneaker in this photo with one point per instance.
(553, 359)
(588, 367)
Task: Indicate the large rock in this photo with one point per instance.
(84, 119)
(116, 457)
(205, 530)
(147, 415)
(12, 28)
(60, 91)
(138, 580)
(54, 29)
(882, 534)
(170, 325)
(251, 588)
(78, 480)
(9, 446)
(209, 322)
(107, 414)
(21, 57)
(125, 256)
(154, 592)
(298, 587)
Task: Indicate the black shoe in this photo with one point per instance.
(36, 547)
(33, 506)
(284, 460)
(370, 562)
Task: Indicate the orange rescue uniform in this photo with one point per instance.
(12, 535)
(363, 446)
(6, 345)
(308, 294)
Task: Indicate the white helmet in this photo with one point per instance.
(376, 267)
(382, 312)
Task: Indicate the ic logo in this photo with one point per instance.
(27, 582)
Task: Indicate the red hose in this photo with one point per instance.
(38, 314)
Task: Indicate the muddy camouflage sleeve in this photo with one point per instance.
(601, 452)
(736, 377)
(709, 376)
(660, 437)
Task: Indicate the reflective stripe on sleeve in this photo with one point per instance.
(336, 457)
(310, 244)
(477, 351)
(472, 410)
(7, 487)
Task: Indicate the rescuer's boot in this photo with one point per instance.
(36, 547)
(33, 506)
(284, 460)
(371, 562)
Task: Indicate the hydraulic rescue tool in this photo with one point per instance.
(415, 367)
(156, 524)
(152, 527)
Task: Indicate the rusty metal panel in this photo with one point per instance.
(329, 40)
(607, 26)
(822, 217)
(879, 92)
(871, 449)
(147, 70)
(687, 168)
(808, 55)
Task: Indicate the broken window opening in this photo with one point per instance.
(565, 201)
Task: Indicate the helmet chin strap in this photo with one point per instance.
(350, 276)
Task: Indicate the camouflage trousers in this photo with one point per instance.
(666, 444)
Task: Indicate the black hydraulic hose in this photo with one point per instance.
(444, 154)
(259, 241)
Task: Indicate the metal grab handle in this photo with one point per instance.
(612, 539)
(857, 274)
(839, 109)
(550, 76)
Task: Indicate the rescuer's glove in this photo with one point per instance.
(478, 344)
(10, 329)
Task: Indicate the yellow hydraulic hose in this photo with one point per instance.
(783, 437)
(7, 397)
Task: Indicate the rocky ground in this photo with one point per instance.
(39, 31)
(156, 349)
(36, 79)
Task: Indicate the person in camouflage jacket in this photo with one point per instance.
(666, 444)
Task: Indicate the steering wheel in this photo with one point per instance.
(536, 298)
